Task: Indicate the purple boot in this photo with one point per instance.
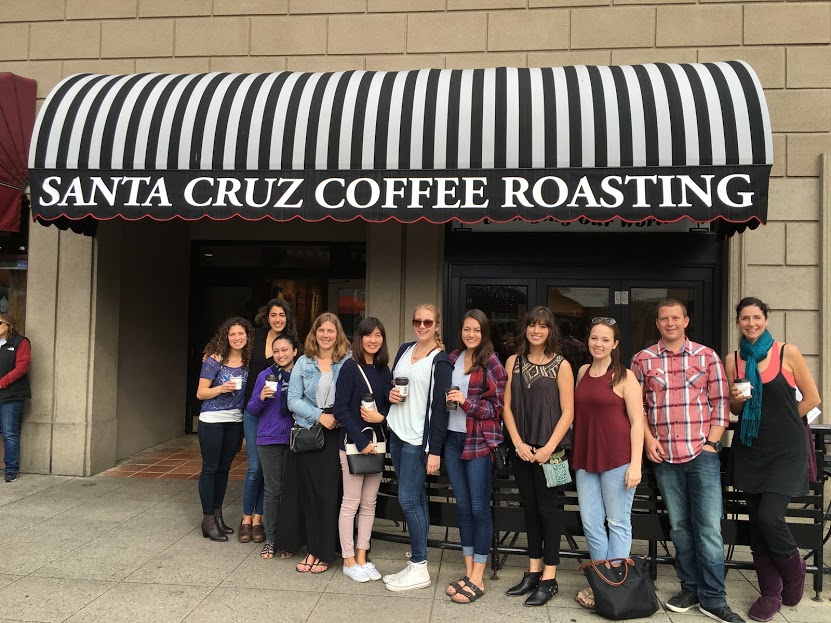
(792, 571)
(770, 585)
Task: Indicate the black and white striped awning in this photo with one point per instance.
(660, 141)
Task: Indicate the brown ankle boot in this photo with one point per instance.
(211, 530)
(221, 522)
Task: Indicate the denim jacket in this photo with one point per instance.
(303, 390)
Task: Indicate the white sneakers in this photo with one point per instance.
(362, 573)
(356, 572)
(413, 576)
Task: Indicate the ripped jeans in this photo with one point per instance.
(603, 498)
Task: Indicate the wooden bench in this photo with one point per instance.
(807, 517)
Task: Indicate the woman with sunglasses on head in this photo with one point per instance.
(366, 372)
(539, 409)
(221, 389)
(418, 425)
(771, 457)
(280, 321)
(608, 447)
(474, 431)
(269, 404)
(312, 401)
(15, 357)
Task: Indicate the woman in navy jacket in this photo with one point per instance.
(365, 372)
(418, 426)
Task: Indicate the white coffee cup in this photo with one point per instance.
(745, 387)
(237, 382)
(272, 385)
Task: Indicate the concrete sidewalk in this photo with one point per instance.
(123, 549)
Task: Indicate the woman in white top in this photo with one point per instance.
(418, 426)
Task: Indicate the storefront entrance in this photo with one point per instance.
(238, 279)
(613, 278)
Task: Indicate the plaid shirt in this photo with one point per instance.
(684, 394)
(484, 404)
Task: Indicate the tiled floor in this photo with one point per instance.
(178, 459)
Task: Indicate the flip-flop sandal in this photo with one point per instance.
(585, 597)
(285, 554)
(305, 565)
(469, 592)
(319, 564)
(456, 587)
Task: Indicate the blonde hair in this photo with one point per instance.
(435, 311)
(341, 348)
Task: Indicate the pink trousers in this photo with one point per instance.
(359, 496)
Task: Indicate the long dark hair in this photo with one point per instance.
(291, 323)
(538, 315)
(221, 347)
(366, 327)
(618, 369)
(481, 354)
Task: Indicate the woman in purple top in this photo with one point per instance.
(222, 390)
(270, 407)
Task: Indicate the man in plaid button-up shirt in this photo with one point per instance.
(687, 408)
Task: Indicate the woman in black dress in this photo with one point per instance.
(769, 456)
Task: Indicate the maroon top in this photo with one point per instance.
(601, 426)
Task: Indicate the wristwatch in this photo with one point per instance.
(714, 444)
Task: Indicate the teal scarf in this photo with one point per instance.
(752, 413)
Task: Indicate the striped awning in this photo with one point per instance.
(659, 141)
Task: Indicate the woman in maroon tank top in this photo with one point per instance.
(608, 444)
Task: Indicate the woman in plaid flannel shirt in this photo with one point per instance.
(474, 430)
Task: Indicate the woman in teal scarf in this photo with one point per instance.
(769, 457)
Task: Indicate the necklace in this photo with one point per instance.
(593, 373)
(416, 356)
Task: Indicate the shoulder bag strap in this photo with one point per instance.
(363, 374)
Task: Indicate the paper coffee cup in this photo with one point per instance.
(403, 386)
(271, 382)
(237, 382)
(745, 387)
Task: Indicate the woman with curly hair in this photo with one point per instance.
(279, 322)
(222, 390)
(311, 401)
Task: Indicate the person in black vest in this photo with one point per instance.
(15, 356)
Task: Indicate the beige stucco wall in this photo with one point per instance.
(786, 42)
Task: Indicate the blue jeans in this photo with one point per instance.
(410, 465)
(10, 415)
(472, 481)
(253, 489)
(604, 499)
(692, 495)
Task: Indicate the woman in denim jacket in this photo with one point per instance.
(311, 401)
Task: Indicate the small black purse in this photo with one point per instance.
(360, 463)
(306, 439)
(621, 592)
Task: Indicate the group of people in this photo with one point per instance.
(673, 405)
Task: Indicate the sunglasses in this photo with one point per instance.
(417, 322)
(609, 322)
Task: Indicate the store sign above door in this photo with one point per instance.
(653, 142)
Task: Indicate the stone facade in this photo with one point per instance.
(77, 295)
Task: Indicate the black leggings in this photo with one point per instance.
(769, 534)
(542, 521)
(219, 443)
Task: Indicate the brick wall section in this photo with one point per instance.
(787, 42)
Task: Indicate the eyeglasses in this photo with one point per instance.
(609, 322)
(427, 322)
